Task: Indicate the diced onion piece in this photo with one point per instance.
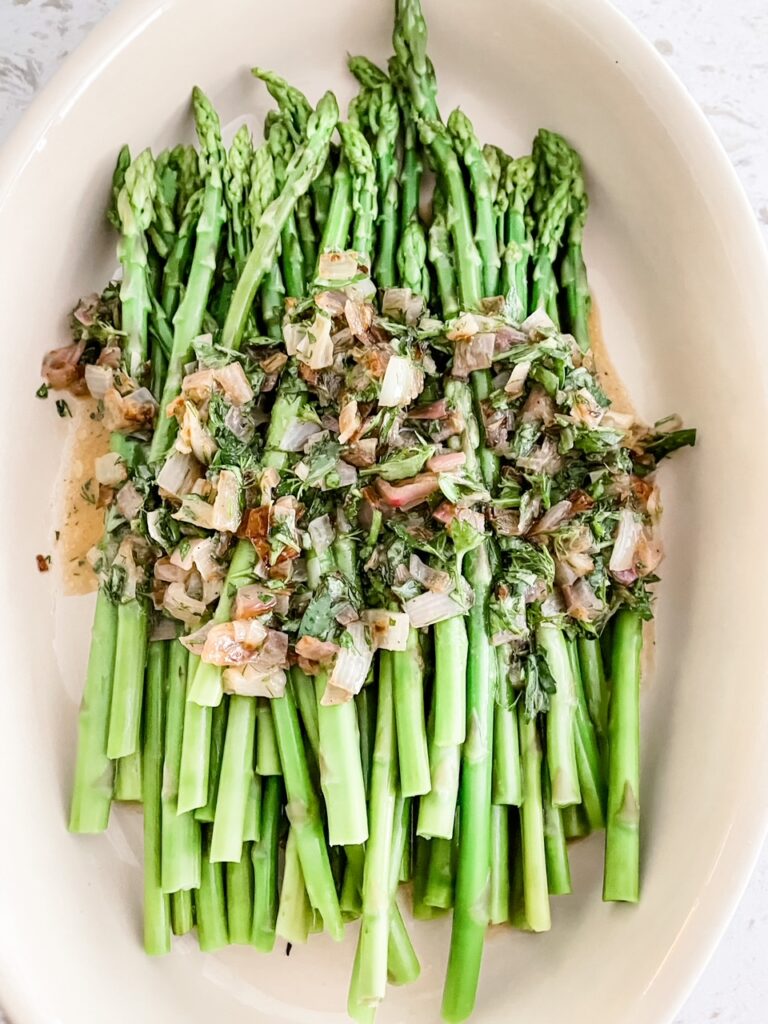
(627, 537)
(537, 323)
(429, 608)
(351, 667)
(403, 382)
(389, 630)
(297, 433)
(195, 642)
(198, 386)
(98, 379)
(110, 470)
(129, 501)
(349, 421)
(321, 534)
(249, 682)
(227, 512)
(233, 643)
(337, 266)
(433, 579)
(193, 436)
(553, 517)
(234, 383)
(516, 382)
(474, 354)
(446, 462)
(178, 603)
(178, 475)
(196, 511)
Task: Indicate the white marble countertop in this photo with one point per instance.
(719, 48)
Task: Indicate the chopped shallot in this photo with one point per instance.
(227, 508)
(234, 383)
(429, 608)
(433, 579)
(409, 493)
(446, 462)
(351, 667)
(389, 630)
(403, 382)
(250, 682)
(180, 605)
(627, 536)
(98, 379)
(110, 470)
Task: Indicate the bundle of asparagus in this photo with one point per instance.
(377, 549)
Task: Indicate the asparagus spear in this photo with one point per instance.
(135, 208)
(518, 185)
(237, 188)
(181, 833)
(291, 254)
(157, 908)
(371, 982)
(188, 318)
(304, 814)
(468, 146)
(264, 854)
(364, 193)
(94, 771)
(622, 834)
(305, 165)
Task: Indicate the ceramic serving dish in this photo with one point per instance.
(682, 282)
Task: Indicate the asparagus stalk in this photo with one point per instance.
(573, 272)
(94, 771)
(239, 882)
(595, 690)
(128, 682)
(294, 916)
(499, 898)
(267, 755)
(305, 165)
(518, 184)
(408, 682)
(507, 777)
(135, 209)
(441, 258)
(471, 913)
(341, 770)
(234, 782)
(339, 219)
(470, 150)
(188, 318)
(304, 814)
(561, 744)
(182, 912)
(291, 255)
(218, 732)
(263, 190)
(195, 749)
(211, 904)
(622, 834)
(181, 833)
(129, 775)
(364, 191)
(157, 908)
(264, 855)
(591, 780)
(374, 933)
(536, 892)
(555, 848)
